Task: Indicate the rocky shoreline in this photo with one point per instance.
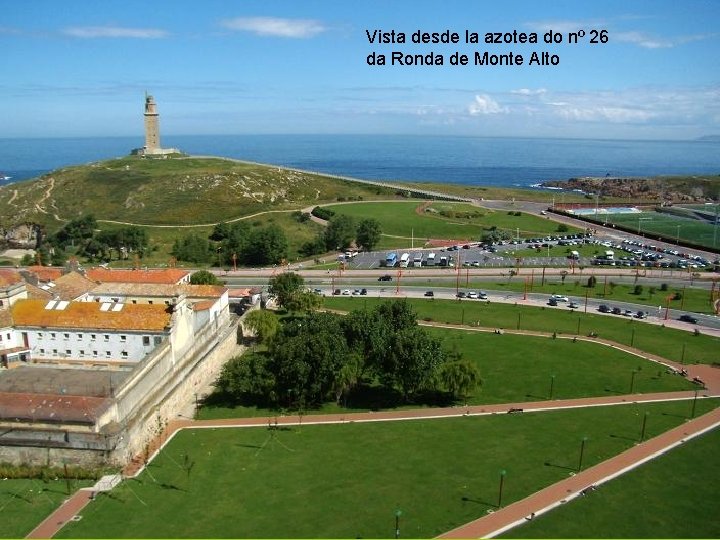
(662, 190)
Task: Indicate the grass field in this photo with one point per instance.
(669, 343)
(25, 503)
(690, 230)
(673, 496)
(402, 219)
(516, 369)
(344, 481)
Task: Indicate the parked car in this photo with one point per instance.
(363, 292)
(429, 293)
(336, 292)
(603, 308)
(616, 311)
(641, 315)
(461, 294)
(573, 305)
(346, 292)
(686, 317)
(386, 277)
(356, 292)
(472, 294)
(317, 291)
(559, 298)
(628, 313)
(552, 302)
(482, 295)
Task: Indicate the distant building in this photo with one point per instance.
(152, 132)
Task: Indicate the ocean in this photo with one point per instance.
(520, 162)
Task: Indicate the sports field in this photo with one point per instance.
(348, 480)
(667, 225)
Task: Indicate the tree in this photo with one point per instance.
(285, 285)
(460, 377)
(266, 245)
(638, 290)
(248, 379)
(220, 232)
(347, 377)
(562, 228)
(592, 281)
(340, 232)
(368, 233)
(411, 361)
(305, 301)
(76, 231)
(264, 323)
(203, 277)
(192, 248)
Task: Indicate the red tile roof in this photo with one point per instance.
(168, 275)
(9, 276)
(87, 315)
(46, 273)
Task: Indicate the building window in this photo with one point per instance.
(82, 352)
(123, 338)
(66, 336)
(42, 351)
(55, 351)
(107, 337)
(79, 337)
(92, 337)
(124, 354)
(1, 303)
(107, 354)
(95, 353)
(146, 341)
(157, 340)
(68, 352)
(150, 301)
(40, 335)
(52, 335)
(134, 301)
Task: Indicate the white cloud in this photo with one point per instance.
(529, 92)
(273, 26)
(484, 104)
(651, 42)
(564, 26)
(114, 32)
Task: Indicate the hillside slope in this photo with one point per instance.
(175, 191)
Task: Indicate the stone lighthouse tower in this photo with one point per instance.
(152, 126)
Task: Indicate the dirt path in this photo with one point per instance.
(14, 196)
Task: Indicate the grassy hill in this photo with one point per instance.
(176, 191)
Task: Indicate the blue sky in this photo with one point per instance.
(77, 68)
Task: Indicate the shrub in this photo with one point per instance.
(638, 290)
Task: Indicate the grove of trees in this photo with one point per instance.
(322, 357)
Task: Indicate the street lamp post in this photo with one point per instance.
(642, 434)
(552, 385)
(692, 414)
(502, 481)
(582, 452)
(398, 513)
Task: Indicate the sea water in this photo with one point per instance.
(445, 159)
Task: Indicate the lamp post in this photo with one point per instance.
(640, 219)
(398, 513)
(582, 452)
(642, 433)
(552, 385)
(677, 238)
(692, 414)
(502, 481)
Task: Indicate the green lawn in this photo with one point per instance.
(516, 369)
(673, 496)
(401, 218)
(669, 343)
(344, 481)
(25, 503)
